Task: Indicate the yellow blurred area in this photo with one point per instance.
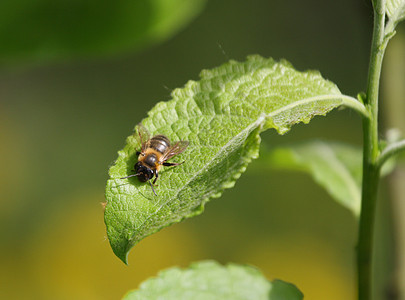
(12, 159)
(70, 258)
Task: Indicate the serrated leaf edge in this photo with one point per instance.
(346, 101)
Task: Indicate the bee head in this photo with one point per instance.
(143, 173)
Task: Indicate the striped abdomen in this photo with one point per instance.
(159, 143)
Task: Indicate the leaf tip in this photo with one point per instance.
(124, 258)
(121, 253)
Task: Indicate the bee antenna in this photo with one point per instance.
(130, 176)
(152, 187)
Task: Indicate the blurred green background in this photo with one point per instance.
(76, 78)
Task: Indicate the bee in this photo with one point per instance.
(155, 152)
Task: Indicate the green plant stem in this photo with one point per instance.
(370, 156)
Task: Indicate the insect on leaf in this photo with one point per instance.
(221, 116)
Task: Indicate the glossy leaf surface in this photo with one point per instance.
(221, 116)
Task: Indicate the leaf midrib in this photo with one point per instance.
(218, 154)
(261, 118)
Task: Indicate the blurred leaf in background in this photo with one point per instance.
(335, 166)
(44, 30)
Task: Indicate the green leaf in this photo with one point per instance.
(221, 116)
(395, 10)
(49, 30)
(337, 167)
(209, 280)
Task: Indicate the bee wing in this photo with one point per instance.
(174, 149)
(144, 136)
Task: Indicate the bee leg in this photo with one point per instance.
(152, 187)
(156, 177)
(172, 164)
